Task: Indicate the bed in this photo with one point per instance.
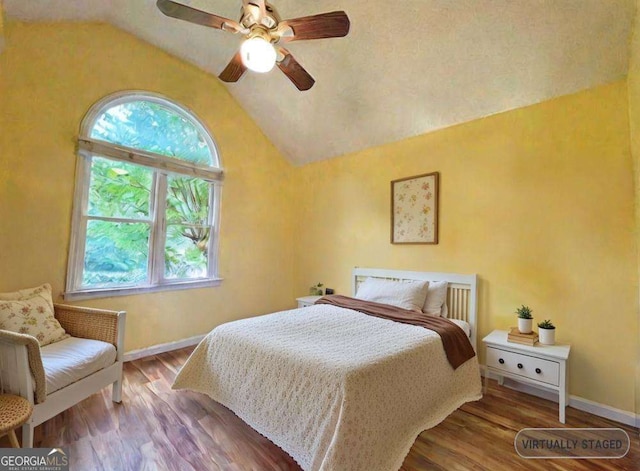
(337, 389)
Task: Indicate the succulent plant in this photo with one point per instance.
(316, 289)
(524, 312)
(546, 324)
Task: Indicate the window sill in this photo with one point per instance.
(134, 290)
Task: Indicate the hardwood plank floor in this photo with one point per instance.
(156, 428)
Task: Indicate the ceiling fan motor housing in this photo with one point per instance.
(252, 16)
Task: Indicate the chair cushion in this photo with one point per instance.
(72, 359)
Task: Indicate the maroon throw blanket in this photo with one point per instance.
(456, 343)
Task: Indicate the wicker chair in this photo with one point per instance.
(22, 371)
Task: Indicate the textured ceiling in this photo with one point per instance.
(406, 68)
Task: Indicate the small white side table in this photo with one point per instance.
(306, 301)
(541, 365)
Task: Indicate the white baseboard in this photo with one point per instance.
(162, 348)
(577, 402)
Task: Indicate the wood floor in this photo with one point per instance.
(156, 428)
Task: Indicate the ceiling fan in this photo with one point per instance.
(264, 31)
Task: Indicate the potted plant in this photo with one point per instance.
(547, 332)
(316, 290)
(525, 319)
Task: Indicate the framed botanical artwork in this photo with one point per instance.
(414, 209)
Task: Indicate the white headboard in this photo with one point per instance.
(462, 292)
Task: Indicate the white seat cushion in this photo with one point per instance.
(72, 359)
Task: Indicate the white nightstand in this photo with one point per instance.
(540, 365)
(306, 301)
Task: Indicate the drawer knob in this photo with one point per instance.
(501, 361)
(538, 370)
(520, 366)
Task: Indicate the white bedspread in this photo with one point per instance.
(336, 389)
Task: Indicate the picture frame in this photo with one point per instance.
(414, 209)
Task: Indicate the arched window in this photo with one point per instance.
(147, 199)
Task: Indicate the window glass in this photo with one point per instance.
(115, 253)
(187, 240)
(152, 127)
(186, 251)
(142, 221)
(119, 189)
(187, 200)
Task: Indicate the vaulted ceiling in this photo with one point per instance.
(406, 68)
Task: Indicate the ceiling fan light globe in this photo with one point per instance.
(258, 55)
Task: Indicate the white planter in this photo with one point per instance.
(547, 336)
(525, 326)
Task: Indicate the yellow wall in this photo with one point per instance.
(537, 201)
(633, 82)
(50, 74)
(1, 26)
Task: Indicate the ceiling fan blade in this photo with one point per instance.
(183, 12)
(234, 70)
(335, 24)
(296, 73)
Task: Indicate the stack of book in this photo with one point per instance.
(516, 336)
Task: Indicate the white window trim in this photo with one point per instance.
(89, 147)
(161, 165)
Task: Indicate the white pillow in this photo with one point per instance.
(407, 295)
(444, 312)
(435, 305)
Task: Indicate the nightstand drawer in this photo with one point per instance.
(527, 366)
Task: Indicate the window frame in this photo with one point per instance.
(161, 166)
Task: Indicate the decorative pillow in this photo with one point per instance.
(436, 298)
(407, 295)
(30, 311)
(25, 293)
(444, 312)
